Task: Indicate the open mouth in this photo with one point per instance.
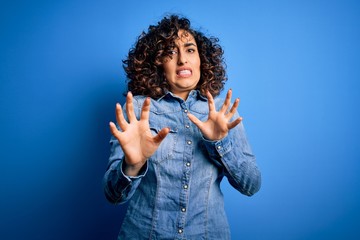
(184, 73)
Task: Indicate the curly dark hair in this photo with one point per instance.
(143, 65)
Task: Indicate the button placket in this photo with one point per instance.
(186, 171)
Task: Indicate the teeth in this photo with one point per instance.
(184, 72)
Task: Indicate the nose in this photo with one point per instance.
(181, 58)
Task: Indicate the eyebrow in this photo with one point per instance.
(189, 44)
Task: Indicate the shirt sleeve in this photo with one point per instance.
(119, 187)
(234, 154)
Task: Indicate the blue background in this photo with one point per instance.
(294, 64)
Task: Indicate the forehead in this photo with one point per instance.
(184, 37)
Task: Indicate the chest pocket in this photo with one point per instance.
(167, 146)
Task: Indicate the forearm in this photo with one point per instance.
(119, 185)
(242, 171)
(234, 154)
(116, 186)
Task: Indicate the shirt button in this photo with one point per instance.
(185, 110)
(187, 126)
(189, 142)
(188, 164)
(218, 147)
(185, 186)
(180, 230)
(183, 209)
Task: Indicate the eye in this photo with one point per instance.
(172, 52)
(191, 50)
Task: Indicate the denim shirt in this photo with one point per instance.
(177, 193)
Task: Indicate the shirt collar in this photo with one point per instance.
(193, 93)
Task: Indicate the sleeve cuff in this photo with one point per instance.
(142, 173)
(219, 147)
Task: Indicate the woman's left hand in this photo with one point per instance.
(218, 123)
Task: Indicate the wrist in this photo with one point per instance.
(132, 170)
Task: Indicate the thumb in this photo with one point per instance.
(195, 120)
(161, 135)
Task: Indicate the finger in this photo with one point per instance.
(210, 101)
(130, 107)
(161, 135)
(145, 109)
(120, 117)
(114, 131)
(226, 104)
(195, 120)
(233, 108)
(234, 123)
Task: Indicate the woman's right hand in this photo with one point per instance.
(136, 139)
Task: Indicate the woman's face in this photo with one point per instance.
(182, 70)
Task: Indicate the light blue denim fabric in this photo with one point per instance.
(177, 194)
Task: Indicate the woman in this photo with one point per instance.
(177, 140)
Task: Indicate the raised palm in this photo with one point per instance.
(218, 123)
(135, 137)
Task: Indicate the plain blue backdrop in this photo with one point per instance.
(294, 64)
